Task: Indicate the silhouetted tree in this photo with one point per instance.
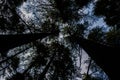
(97, 34)
(45, 55)
(110, 9)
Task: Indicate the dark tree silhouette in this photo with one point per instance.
(51, 57)
(110, 9)
(105, 56)
(82, 3)
(9, 19)
(11, 41)
(45, 56)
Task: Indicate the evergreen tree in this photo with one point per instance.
(47, 46)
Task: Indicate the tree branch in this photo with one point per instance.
(8, 58)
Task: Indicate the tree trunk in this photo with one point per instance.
(107, 57)
(11, 41)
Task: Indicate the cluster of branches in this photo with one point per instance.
(52, 58)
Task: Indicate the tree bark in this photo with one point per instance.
(105, 56)
(11, 41)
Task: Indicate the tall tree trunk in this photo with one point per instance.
(107, 57)
(11, 41)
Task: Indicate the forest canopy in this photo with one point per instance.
(46, 39)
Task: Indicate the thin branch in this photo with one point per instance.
(88, 68)
(80, 56)
(15, 13)
(8, 58)
(42, 75)
(5, 67)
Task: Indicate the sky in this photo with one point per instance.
(94, 21)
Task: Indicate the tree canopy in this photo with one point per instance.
(44, 39)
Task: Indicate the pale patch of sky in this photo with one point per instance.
(2, 78)
(25, 59)
(93, 21)
(83, 64)
(84, 58)
(25, 14)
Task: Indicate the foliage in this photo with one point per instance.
(65, 6)
(9, 19)
(50, 58)
(89, 77)
(97, 34)
(110, 9)
(82, 3)
(113, 37)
